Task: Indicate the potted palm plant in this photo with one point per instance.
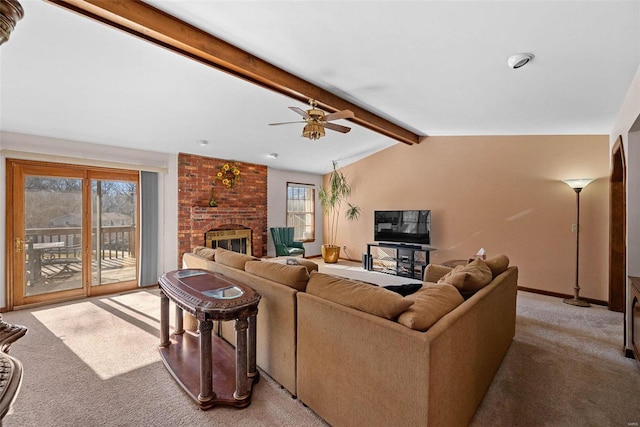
(332, 197)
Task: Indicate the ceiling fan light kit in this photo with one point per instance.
(519, 60)
(316, 121)
(313, 131)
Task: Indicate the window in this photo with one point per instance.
(301, 211)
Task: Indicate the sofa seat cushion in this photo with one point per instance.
(468, 278)
(232, 259)
(204, 252)
(294, 276)
(431, 302)
(364, 297)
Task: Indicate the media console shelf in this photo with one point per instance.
(405, 260)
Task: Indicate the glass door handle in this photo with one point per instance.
(18, 245)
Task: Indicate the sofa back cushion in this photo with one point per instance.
(431, 302)
(311, 266)
(470, 277)
(498, 264)
(232, 259)
(204, 252)
(361, 296)
(294, 276)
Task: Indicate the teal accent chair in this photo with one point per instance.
(283, 241)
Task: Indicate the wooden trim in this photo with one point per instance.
(67, 160)
(144, 21)
(617, 228)
(9, 236)
(560, 295)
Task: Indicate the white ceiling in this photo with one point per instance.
(437, 68)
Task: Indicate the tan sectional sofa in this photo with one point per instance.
(356, 368)
(276, 320)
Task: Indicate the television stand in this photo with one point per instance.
(400, 259)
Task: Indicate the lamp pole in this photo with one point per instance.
(577, 185)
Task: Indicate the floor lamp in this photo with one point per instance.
(577, 185)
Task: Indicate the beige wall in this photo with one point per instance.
(502, 193)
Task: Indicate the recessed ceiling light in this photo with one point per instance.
(273, 155)
(519, 60)
(203, 142)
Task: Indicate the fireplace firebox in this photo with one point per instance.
(237, 240)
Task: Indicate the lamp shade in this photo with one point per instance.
(578, 183)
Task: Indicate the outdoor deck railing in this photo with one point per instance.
(115, 242)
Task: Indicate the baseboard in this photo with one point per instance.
(629, 353)
(560, 295)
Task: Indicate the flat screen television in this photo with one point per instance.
(409, 226)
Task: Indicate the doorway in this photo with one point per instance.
(72, 232)
(617, 229)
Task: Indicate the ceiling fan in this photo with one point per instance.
(316, 120)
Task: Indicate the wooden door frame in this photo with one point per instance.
(14, 199)
(617, 228)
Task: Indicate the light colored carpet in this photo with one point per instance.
(565, 367)
(95, 363)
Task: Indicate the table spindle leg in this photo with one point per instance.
(179, 329)
(242, 386)
(206, 382)
(252, 371)
(164, 320)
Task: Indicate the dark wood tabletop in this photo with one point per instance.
(207, 295)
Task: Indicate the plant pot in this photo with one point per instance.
(330, 253)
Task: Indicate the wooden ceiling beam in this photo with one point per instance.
(145, 21)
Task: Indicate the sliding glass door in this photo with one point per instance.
(114, 212)
(53, 234)
(73, 231)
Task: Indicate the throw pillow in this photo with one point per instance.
(431, 303)
(294, 276)
(498, 264)
(205, 252)
(232, 259)
(470, 277)
(370, 299)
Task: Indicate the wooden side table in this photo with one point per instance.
(206, 366)
(10, 367)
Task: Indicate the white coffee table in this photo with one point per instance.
(359, 273)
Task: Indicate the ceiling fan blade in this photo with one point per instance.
(344, 114)
(300, 111)
(336, 127)
(285, 123)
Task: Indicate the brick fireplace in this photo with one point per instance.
(243, 206)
